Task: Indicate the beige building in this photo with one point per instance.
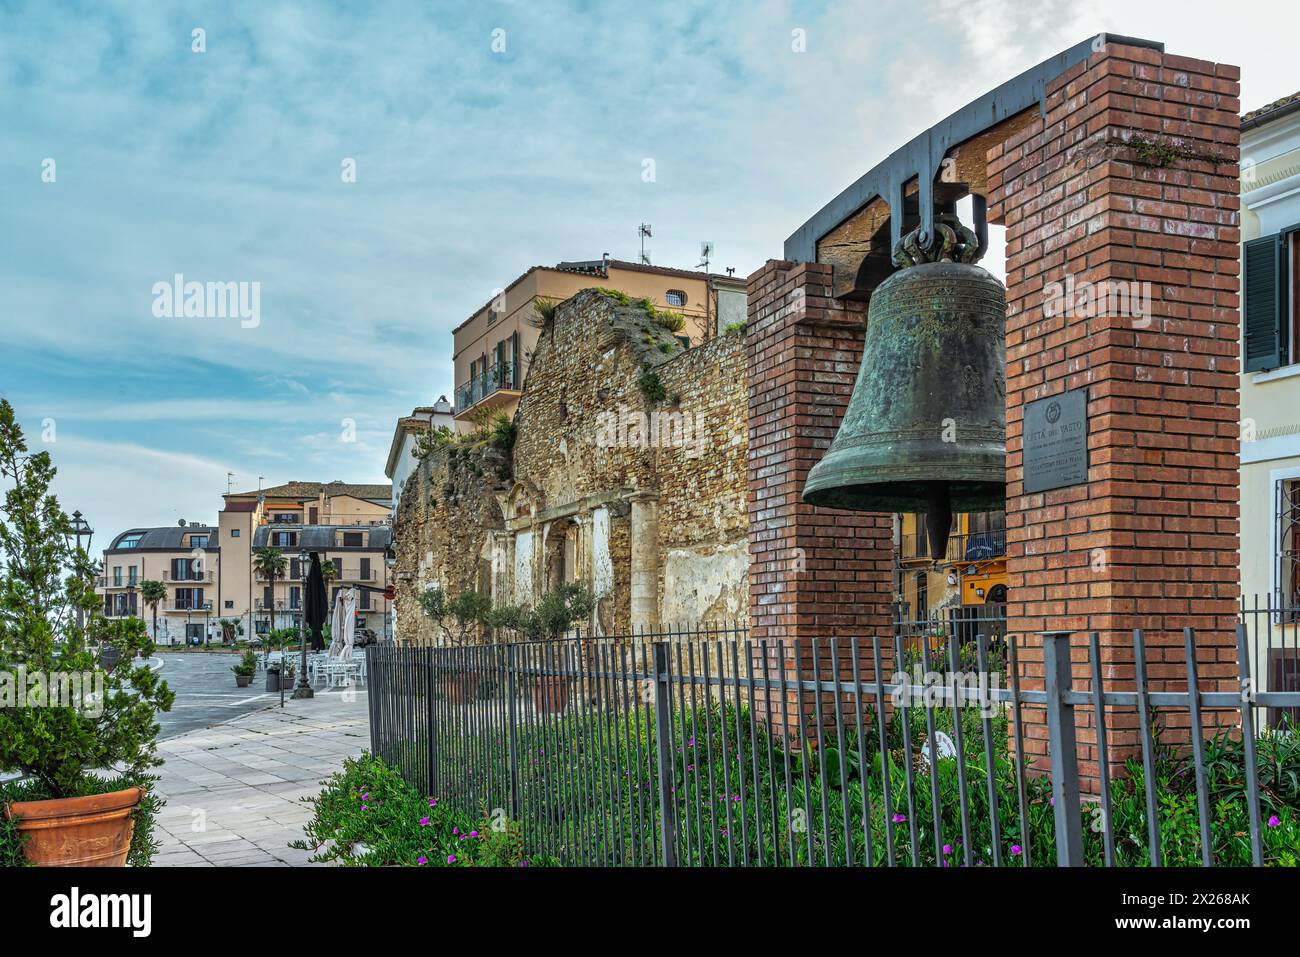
(186, 559)
(493, 347)
(346, 523)
(1270, 388)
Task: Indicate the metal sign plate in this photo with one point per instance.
(1056, 442)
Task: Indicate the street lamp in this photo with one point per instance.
(303, 688)
(81, 529)
(207, 607)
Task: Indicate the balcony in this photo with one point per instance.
(353, 573)
(188, 577)
(186, 604)
(975, 547)
(501, 377)
(107, 581)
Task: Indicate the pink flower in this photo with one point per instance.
(1015, 850)
(424, 822)
(1274, 821)
(422, 860)
(455, 830)
(451, 858)
(473, 833)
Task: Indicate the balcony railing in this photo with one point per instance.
(185, 604)
(192, 576)
(353, 573)
(108, 581)
(498, 376)
(975, 547)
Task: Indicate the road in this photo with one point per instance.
(205, 691)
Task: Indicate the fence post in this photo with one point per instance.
(1057, 680)
(512, 732)
(664, 754)
(430, 725)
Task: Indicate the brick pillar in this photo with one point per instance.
(1131, 178)
(814, 572)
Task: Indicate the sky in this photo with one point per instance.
(485, 138)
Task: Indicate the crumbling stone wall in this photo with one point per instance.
(444, 521)
(628, 473)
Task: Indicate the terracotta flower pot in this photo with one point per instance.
(91, 831)
(551, 693)
(243, 681)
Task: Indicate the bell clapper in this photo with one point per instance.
(938, 519)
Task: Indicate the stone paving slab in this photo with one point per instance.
(233, 790)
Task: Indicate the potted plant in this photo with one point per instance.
(558, 612)
(70, 812)
(245, 669)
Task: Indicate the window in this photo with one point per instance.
(117, 576)
(189, 599)
(295, 596)
(1287, 537)
(284, 518)
(353, 539)
(131, 576)
(234, 533)
(198, 541)
(365, 570)
(284, 539)
(675, 297)
(1271, 310)
(130, 541)
(229, 603)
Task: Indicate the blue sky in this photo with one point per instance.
(472, 165)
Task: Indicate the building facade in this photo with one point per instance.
(186, 558)
(347, 523)
(1270, 385)
(493, 348)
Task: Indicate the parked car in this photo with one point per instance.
(364, 636)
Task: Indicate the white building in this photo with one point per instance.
(1270, 386)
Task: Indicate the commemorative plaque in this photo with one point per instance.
(1055, 450)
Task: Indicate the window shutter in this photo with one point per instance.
(1265, 306)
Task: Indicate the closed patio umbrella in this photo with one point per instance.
(315, 603)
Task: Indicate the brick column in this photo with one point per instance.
(814, 572)
(1131, 178)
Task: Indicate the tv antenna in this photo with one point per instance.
(644, 232)
(706, 253)
(230, 476)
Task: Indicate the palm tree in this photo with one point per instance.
(271, 564)
(152, 592)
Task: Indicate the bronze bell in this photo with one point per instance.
(925, 428)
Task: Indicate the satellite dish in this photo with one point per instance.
(180, 522)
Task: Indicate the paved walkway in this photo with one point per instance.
(233, 790)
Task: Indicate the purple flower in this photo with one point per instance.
(473, 833)
(422, 860)
(947, 849)
(1015, 850)
(1274, 821)
(451, 858)
(900, 818)
(523, 863)
(455, 830)
(433, 802)
(424, 822)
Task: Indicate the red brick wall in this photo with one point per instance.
(814, 572)
(1151, 540)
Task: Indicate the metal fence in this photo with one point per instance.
(704, 746)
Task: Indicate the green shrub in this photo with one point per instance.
(651, 388)
(672, 321)
(735, 329)
(368, 816)
(44, 582)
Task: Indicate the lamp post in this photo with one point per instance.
(81, 529)
(207, 608)
(303, 688)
